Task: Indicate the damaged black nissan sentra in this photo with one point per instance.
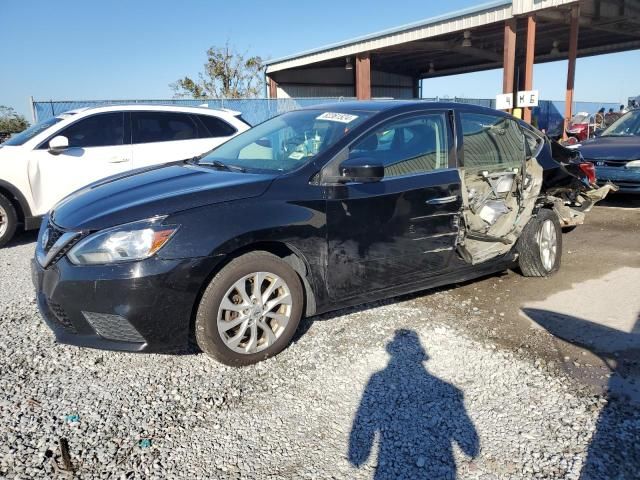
(308, 212)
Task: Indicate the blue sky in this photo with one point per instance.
(80, 49)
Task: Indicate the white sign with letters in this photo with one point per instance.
(504, 101)
(527, 98)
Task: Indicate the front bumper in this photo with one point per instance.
(627, 179)
(140, 307)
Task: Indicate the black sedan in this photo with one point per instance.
(616, 153)
(308, 212)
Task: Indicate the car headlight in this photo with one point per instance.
(124, 243)
(633, 164)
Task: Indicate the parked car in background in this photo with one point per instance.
(616, 153)
(581, 126)
(50, 160)
(308, 212)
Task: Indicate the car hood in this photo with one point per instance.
(146, 193)
(7, 150)
(611, 148)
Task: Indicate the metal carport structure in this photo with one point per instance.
(508, 34)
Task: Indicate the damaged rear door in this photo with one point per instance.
(501, 181)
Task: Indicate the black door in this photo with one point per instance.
(404, 227)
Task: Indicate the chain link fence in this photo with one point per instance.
(254, 110)
(549, 116)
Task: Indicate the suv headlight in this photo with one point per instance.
(124, 243)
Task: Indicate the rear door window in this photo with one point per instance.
(151, 127)
(491, 142)
(215, 127)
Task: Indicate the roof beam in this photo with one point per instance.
(458, 70)
(478, 53)
(452, 45)
(611, 28)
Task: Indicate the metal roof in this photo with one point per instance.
(436, 46)
(403, 28)
(470, 18)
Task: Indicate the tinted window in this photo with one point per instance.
(215, 127)
(102, 130)
(162, 127)
(411, 145)
(491, 141)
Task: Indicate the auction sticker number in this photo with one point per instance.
(337, 117)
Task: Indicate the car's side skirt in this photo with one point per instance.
(492, 266)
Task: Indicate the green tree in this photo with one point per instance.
(227, 74)
(11, 122)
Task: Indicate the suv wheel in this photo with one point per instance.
(8, 221)
(540, 245)
(250, 310)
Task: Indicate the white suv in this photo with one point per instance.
(52, 159)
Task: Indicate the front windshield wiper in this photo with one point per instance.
(218, 164)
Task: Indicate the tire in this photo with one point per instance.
(537, 255)
(8, 220)
(247, 318)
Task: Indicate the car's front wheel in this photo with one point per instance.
(250, 310)
(8, 220)
(540, 245)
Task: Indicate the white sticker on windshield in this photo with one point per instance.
(337, 117)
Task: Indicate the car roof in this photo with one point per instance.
(379, 106)
(202, 109)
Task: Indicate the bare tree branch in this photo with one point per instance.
(227, 74)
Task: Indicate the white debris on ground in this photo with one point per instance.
(392, 391)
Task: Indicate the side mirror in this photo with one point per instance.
(361, 170)
(58, 144)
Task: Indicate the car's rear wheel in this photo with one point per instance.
(250, 310)
(540, 245)
(8, 221)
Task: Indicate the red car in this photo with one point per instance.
(581, 126)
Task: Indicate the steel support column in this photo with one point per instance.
(363, 76)
(416, 88)
(529, 61)
(509, 60)
(273, 88)
(571, 69)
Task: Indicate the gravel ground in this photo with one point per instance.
(394, 390)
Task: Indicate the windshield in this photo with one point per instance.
(580, 118)
(286, 142)
(626, 126)
(23, 137)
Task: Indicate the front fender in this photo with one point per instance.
(224, 230)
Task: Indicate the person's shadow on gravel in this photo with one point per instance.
(417, 417)
(614, 451)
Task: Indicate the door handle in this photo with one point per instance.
(441, 200)
(118, 160)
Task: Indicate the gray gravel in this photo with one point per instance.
(396, 390)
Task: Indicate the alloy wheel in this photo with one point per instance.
(254, 312)
(4, 221)
(548, 244)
